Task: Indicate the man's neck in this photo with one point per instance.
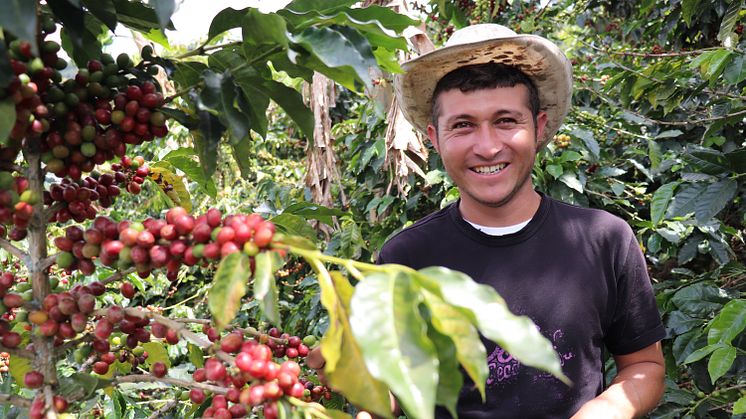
(516, 211)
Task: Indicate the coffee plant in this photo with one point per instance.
(85, 270)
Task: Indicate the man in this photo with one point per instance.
(488, 101)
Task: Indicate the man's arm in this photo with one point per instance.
(636, 389)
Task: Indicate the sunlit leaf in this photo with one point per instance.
(720, 362)
(487, 310)
(229, 286)
(661, 198)
(729, 323)
(265, 289)
(156, 353)
(386, 322)
(171, 184)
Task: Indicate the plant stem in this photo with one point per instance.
(148, 378)
(118, 275)
(15, 400)
(37, 253)
(356, 268)
(18, 253)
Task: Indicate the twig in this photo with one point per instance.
(8, 246)
(203, 49)
(49, 401)
(62, 349)
(21, 353)
(149, 378)
(15, 400)
(88, 362)
(12, 167)
(246, 331)
(49, 261)
(671, 123)
(50, 210)
(118, 275)
(168, 406)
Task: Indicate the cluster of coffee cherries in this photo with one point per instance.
(85, 121)
(562, 140)
(77, 198)
(254, 379)
(135, 329)
(16, 205)
(10, 301)
(179, 239)
(36, 411)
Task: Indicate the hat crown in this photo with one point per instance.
(478, 33)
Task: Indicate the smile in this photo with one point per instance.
(488, 170)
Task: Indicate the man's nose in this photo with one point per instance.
(488, 142)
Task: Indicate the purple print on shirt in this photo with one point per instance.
(503, 366)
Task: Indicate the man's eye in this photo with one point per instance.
(461, 125)
(503, 121)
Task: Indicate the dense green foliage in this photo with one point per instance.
(655, 136)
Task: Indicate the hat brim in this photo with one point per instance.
(539, 58)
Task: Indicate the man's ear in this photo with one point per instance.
(541, 124)
(432, 133)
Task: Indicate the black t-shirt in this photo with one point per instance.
(578, 273)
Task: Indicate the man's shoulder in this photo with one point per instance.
(591, 222)
(423, 233)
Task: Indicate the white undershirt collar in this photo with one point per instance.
(499, 231)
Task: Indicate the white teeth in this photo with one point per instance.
(489, 169)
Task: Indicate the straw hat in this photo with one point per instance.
(538, 57)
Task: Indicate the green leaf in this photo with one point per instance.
(79, 32)
(737, 161)
(19, 18)
(571, 180)
(661, 198)
(301, 6)
(709, 161)
(225, 20)
(290, 100)
(555, 170)
(686, 198)
(162, 173)
(157, 352)
(386, 322)
(345, 367)
(242, 153)
(729, 323)
(188, 73)
(185, 159)
(103, 10)
(219, 94)
(259, 28)
(342, 54)
(18, 368)
(138, 16)
(702, 352)
(293, 224)
(470, 351)
(488, 311)
(79, 385)
(386, 16)
(196, 355)
(729, 23)
(739, 407)
(716, 65)
(720, 362)
(312, 211)
(700, 300)
(589, 140)
(688, 9)
(734, 73)
(714, 199)
(228, 287)
(450, 379)
(207, 140)
(265, 289)
(7, 118)
(164, 9)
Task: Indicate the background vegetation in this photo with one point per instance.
(656, 136)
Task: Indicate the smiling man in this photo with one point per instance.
(488, 101)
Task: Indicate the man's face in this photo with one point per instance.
(487, 141)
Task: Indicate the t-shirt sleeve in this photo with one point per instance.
(636, 322)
